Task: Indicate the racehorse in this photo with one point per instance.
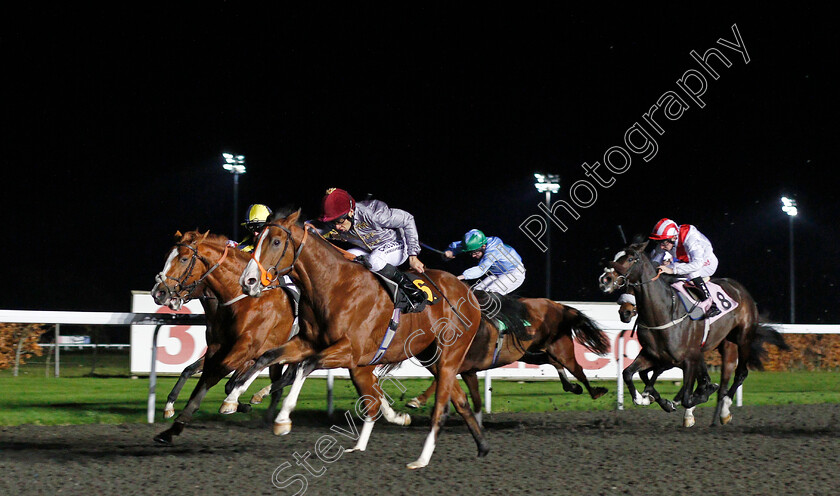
(241, 328)
(610, 281)
(555, 325)
(354, 312)
(668, 338)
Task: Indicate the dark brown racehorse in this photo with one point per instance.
(554, 327)
(611, 282)
(669, 339)
(353, 311)
(242, 328)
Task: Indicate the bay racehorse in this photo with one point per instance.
(354, 313)
(242, 328)
(554, 326)
(669, 338)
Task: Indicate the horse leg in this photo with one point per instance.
(471, 380)
(705, 387)
(276, 373)
(189, 371)
(462, 406)
(421, 400)
(641, 363)
(294, 351)
(370, 402)
(562, 352)
(368, 383)
(446, 384)
(728, 360)
(650, 391)
(283, 423)
(207, 380)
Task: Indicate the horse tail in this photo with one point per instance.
(764, 334)
(585, 331)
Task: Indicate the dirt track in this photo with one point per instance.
(766, 450)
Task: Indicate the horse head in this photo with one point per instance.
(275, 254)
(180, 278)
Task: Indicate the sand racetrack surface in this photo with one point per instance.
(642, 450)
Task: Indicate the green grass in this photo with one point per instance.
(34, 399)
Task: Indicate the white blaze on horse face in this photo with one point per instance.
(619, 255)
(168, 265)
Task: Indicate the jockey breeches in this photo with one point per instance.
(392, 252)
(501, 283)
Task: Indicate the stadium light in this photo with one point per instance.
(235, 164)
(548, 184)
(789, 207)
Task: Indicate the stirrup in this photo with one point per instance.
(713, 311)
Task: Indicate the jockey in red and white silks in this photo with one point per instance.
(692, 254)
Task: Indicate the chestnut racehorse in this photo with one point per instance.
(668, 339)
(555, 325)
(353, 312)
(241, 329)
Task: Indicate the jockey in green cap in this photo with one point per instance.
(501, 264)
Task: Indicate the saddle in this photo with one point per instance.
(693, 300)
(400, 300)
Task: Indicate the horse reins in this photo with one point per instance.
(265, 278)
(179, 283)
(642, 283)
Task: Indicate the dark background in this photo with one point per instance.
(114, 121)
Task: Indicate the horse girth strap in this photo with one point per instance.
(665, 326)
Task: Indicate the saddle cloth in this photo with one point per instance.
(697, 309)
(398, 297)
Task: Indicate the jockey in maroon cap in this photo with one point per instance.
(385, 237)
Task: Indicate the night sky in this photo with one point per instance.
(114, 122)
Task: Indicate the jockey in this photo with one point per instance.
(385, 237)
(495, 258)
(691, 252)
(255, 220)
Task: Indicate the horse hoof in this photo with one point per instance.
(168, 413)
(598, 392)
(668, 406)
(725, 420)
(243, 408)
(574, 389)
(256, 399)
(406, 419)
(228, 407)
(688, 422)
(164, 438)
(413, 403)
(483, 449)
(282, 428)
(416, 464)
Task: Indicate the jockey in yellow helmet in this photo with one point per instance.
(255, 220)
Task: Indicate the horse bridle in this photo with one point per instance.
(267, 277)
(626, 273)
(181, 291)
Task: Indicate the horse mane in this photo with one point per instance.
(507, 309)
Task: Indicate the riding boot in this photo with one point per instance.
(700, 283)
(414, 294)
